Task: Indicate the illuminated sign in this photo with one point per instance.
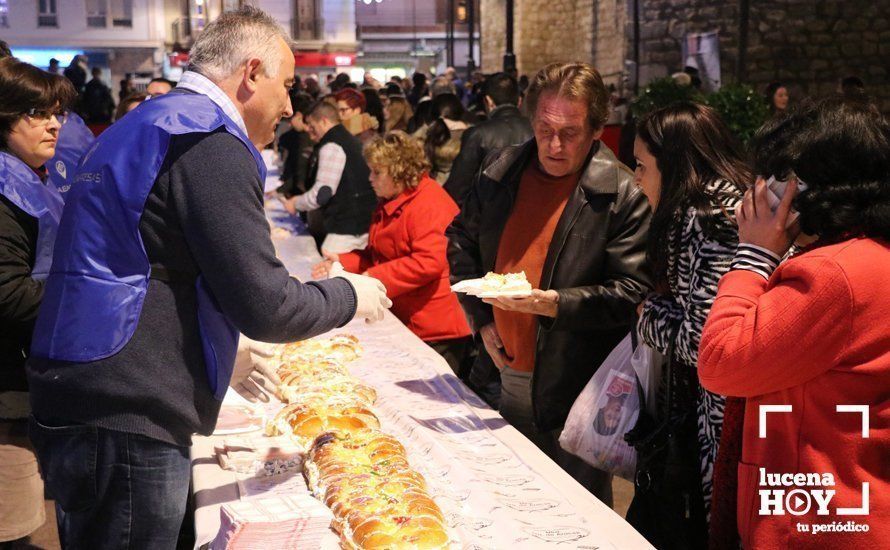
(39, 57)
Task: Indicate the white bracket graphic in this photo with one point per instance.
(861, 409)
(764, 409)
(862, 510)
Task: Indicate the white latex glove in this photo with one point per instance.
(254, 376)
(370, 294)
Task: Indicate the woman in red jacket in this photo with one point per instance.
(406, 247)
(807, 342)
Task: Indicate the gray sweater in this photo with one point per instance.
(205, 216)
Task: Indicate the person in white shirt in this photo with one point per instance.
(340, 184)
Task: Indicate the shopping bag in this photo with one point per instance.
(607, 407)
(648, 364)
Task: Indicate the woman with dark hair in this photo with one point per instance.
(690, 168)
(398, 113)
(351, 106)
(422, 118)
(777, 97)
(32, 109)
(374, 107)
(441, 142)
(809, 335)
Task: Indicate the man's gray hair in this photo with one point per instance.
(233, 39)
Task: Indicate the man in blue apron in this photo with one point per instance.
(163, 257)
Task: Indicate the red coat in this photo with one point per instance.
(406, 251)
(815, 336)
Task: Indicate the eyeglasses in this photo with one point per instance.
(42, 117)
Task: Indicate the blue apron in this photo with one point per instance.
(23, 188)
(74, 140)
(95, 291)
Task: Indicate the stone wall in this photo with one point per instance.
(558, 30)
(492, 27)
(610, 19)
(665, 23)
(807, 44)
(811, 45)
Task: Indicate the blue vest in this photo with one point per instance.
(21, 186)
(74, 140)
(95, 290)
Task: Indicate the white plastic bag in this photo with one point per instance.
(647, 364)
(607, 408)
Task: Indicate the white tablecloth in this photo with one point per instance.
(495, 487)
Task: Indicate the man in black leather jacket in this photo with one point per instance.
(505, 126)
(591, 268)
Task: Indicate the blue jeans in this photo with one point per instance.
(112, 489)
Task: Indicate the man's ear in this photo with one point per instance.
(252, 73)
(599, 132)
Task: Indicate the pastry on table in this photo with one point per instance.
(305, 422)
(378, 501)
(342, 348)
(311, 368)
(298, 389)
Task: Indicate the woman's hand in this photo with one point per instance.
(542, 302)
(760, 226)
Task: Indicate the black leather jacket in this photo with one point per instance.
(506, 126)
(596, 262)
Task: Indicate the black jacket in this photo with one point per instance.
(297, 148)
(348, 211)
(596, 262)
(506, 126)
(20, 295)
(98, 104)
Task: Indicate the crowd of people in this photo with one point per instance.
(122, 303)
(94, 100)
(610, 250)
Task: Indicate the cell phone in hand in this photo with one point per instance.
(776, 190)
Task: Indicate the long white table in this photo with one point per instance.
(495, 487)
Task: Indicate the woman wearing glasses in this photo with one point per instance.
(32, 109)
(352, 108)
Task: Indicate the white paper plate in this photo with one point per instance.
(505, 294)
(468, 286)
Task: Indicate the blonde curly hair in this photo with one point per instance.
(400, 156)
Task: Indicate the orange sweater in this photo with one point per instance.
(523, 247)
(815, 336)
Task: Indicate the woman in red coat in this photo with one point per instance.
(810, 338)
(406, 247)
